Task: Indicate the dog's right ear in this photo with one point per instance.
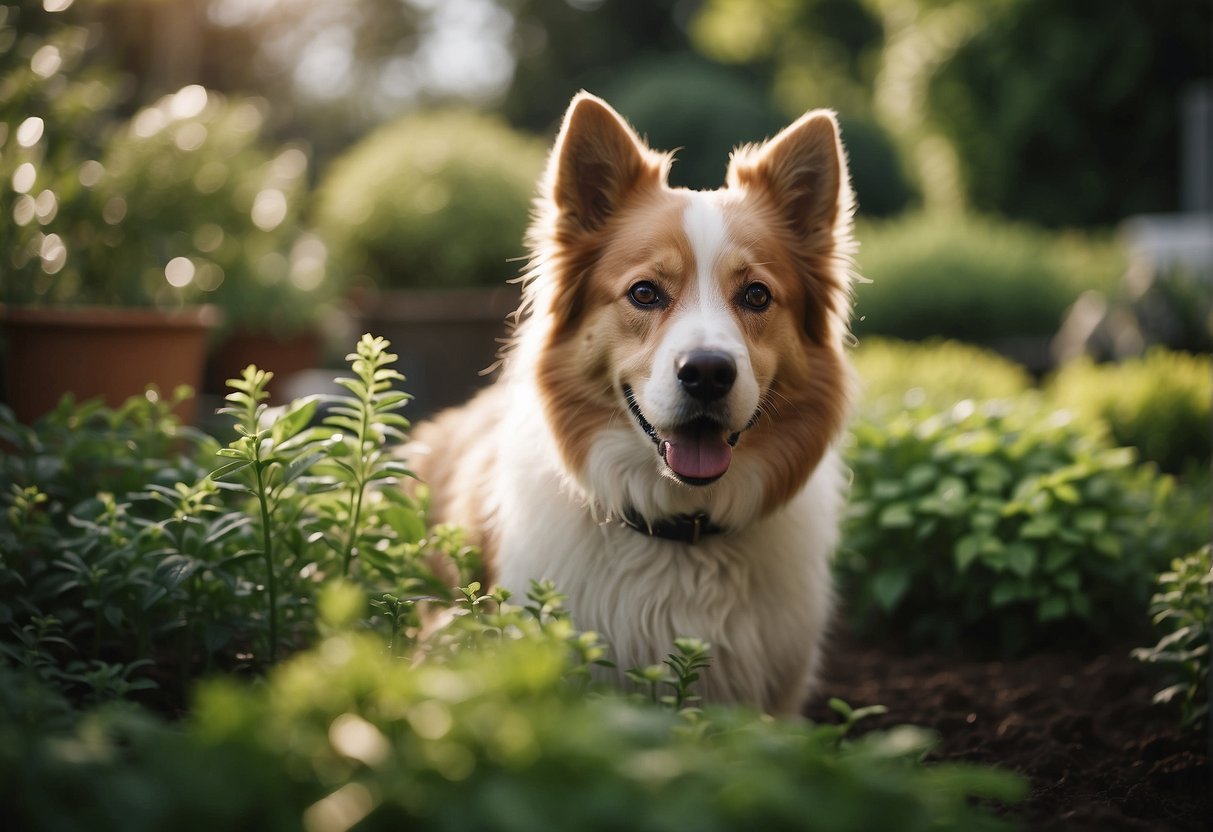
(597, 162)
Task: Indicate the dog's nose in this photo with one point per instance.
(706, 375)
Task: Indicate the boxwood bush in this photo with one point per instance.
(972, 278)
(1001, 527)
(936, 374)
(432, 200)
(1159, 404)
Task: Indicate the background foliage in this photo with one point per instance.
(432, 200)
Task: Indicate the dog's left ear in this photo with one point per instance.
(804, 171)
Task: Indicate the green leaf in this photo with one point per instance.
(293, 421)
(299, 466)
(1091, 521)
(1040, 527)
(1004, 592)
(889, 586)
(1051, 608)
(1069, 579)
(1108, 545)
(1020, 558)
(230, 469)
(966, 551)
(408, 524)
(896, 516)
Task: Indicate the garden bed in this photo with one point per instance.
(1081, 727)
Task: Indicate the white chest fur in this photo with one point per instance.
(760, 594)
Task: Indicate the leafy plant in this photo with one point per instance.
(448, 211)
(1159, 404)
(1181, 610)
(472, 739)
(1000, 527)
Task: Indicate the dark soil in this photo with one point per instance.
(1098, 754)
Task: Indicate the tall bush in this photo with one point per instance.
(972, 278)
(896, 375)
(433, 200)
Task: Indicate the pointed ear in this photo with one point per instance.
(803, 170)
(598, 160)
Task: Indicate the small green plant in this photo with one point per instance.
(260, 454)
(999, 527)
(369, 418)
(1181, 610)
(1159, 404)
(678, 672)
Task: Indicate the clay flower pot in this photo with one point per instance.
(113, 353)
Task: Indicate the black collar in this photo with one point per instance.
(685, 528)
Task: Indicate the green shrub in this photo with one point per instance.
(432, 200)
(1000, 527)
(935, 375)
(1181, 609)
(972, 278)
(1159, 404)
(485, 737)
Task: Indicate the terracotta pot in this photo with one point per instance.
(445, 340)
(99, 351)
(284, 357)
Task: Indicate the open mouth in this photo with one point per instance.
(697, 452)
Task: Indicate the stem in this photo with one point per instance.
(266, 544)
(359, 488)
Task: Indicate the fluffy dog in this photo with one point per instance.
(660, 442)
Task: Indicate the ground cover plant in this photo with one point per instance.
(1003, 527)
(137, 555)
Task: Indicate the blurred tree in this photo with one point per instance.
(683, 102)
(562, 46)
(1068, 113)
(816, 53)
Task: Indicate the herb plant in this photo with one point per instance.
(1181, 609)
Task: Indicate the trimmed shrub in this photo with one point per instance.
(972, 278)
(432, 200)
(1159, 404)
(1181, 609)
(1000, 527)
(934, 375)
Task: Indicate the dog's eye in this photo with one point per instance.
(756, 296)
(644, 294)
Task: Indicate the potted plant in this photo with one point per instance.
(123, 230)
(426, 216)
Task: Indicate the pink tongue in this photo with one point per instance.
(697, 453)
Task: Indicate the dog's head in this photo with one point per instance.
(691, 334)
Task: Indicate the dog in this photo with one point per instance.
(661, 440)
